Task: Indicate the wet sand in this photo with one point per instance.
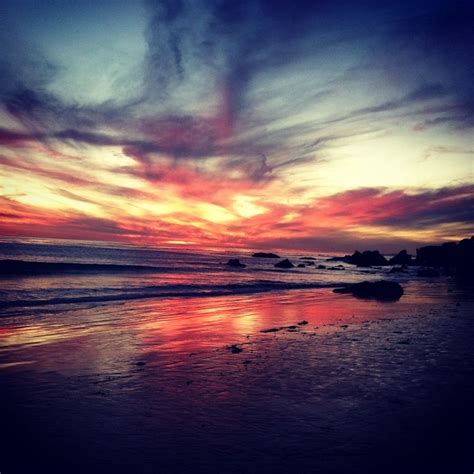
(194, 385)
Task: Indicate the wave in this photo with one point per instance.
(182, 291)
(11, 267)
(22, 267)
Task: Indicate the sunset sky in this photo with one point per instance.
(311, 126)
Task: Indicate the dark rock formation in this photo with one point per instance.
(380, 290)
(337, 267)
(427, 272)
(284, 264)
(235, 262)
(301, 265)
(445, 255)
(270, 330)
(307, 258)
(321, 267)
(402, 258)
(265, 255)
(366, 259)
(235, 349)
(458, 257)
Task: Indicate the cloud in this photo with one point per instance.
(237, 99)
(359, 218)
(396, 209)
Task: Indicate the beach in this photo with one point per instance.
(236, 237)
(301, 380)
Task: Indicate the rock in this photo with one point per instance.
(140, 363)
(458, 257)
(366, 259)
(265, 255)
(427, 272)
(380, 290)
(321, 267)
(235, 349)
(337, 267)
(303, 323)
(438, 256)
(270, 330)
(235, 262)
(307, 258)
(402, 258)
(284, 264)
(337, 259)
(301, 265)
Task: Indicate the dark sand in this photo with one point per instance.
(156, 386)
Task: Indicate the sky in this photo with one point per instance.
(313, 126)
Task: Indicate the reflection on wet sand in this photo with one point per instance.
(104, 336)
(155, 385)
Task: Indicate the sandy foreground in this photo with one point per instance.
(194, 385)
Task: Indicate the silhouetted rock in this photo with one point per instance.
(235, 349)
(465, 262)
(427, 272)
(265, 255)
(309, 263)
(270, 330)
(458, 257)
(284, 264)
(402, 258)
(445, 255)
(307, 258)
(235, 262)
(337, 267)
(380, 290)
(301, 265)
(321, 267)
(366, 258)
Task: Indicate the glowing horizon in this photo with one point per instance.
(299, 126)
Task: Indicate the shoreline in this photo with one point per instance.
(152, 385)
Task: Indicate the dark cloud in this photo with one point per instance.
(331, 223)
(200, 50)
(431, 208)
(442, 36)
(401, 209)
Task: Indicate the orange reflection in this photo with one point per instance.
(196, 324)
(166, 332)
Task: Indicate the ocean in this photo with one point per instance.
(93, 272)
(120, 358)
